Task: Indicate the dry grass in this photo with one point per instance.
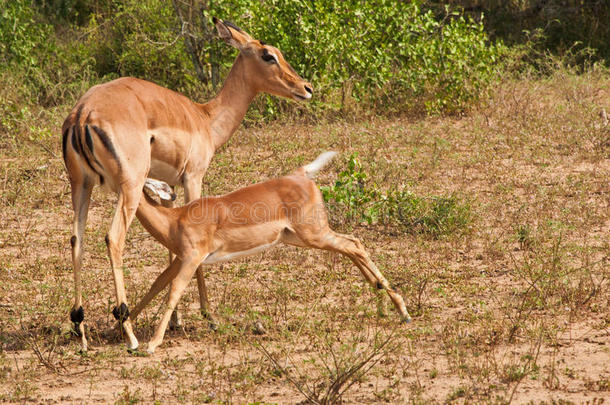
(517, 309)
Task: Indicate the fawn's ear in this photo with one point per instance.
(160, 188)
(231, 33)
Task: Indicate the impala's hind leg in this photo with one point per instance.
(352, 248)
(129, 197)
(81, 195)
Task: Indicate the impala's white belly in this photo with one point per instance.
(217, 257)
(243, 241)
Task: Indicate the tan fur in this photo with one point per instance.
(289, 209)
(124, 131)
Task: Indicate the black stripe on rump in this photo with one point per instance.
(105, 139)
(64, 143)
(89, 142)
(76, 136)
(79, 151)
(73, 140)
(88, 139)
(82, 152)
(76, 132)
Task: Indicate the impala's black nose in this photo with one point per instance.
(308, 89)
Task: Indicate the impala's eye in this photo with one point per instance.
(267, 57)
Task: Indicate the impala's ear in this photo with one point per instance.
(231, 33)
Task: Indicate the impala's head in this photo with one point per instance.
(267, 69)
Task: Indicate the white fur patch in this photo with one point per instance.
(216, 258)
(160, 188)
(315, 166)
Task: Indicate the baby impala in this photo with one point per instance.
(289, 209)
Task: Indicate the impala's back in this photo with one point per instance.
(245, 221)
(131, 115)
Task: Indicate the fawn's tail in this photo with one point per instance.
(314, 167)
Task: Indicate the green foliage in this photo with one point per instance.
(564, 25)
(349, 192)
(142, 39)
(23, 39)
(350, 200)
(65, 11)
(376, 52)
(36, 68)
(379, 51)
(387, 56)
(435, 216)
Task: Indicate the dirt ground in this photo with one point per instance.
(512, 307)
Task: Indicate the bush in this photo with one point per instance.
(142, 39)
(388, 55)
(36, 67)
(350, 200)
(382, 53)
(23, 39)
(564, 25)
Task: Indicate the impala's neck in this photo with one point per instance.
(156, 219)
(228, 108)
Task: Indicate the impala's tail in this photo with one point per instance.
(314, 167)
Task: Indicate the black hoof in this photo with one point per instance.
(77, 315)
(175, 322)
(121, 313)
(211, 322)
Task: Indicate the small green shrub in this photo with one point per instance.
(351, 201)
(436, 215)
(349, 193)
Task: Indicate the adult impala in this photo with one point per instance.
(121, 132)
(209, 230)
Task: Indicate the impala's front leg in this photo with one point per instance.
(192, 191)
(176, 320)
(178, 285)
(159, 284)
(115, 241)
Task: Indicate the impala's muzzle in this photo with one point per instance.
(307, 93)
